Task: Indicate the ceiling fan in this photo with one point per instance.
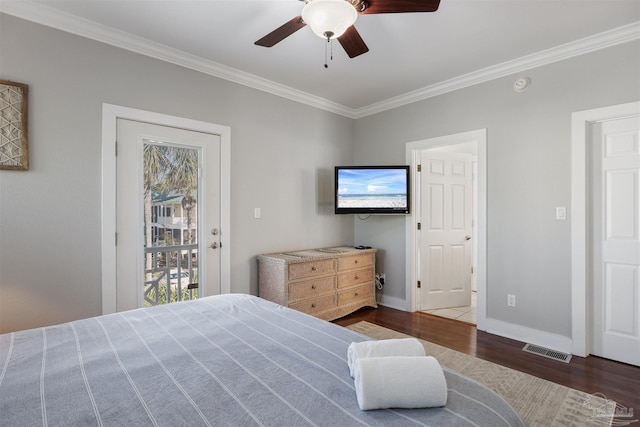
(334, 19)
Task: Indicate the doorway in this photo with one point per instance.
(167, 198)
(605, 242)
(475, 144)
(444, 203)
(114, 297)
(615, 241)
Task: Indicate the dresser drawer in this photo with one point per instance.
(311, 288)
(311, 268)
(355, 261)
(355, 294)
(327, 282)
(355, 277)
(315, 305)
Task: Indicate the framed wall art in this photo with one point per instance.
(14, 154)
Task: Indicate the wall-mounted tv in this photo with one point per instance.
(372, 190)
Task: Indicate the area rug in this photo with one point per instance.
(541, 403)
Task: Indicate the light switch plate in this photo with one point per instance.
(561, 213)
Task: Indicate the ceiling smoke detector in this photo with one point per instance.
(522, 84)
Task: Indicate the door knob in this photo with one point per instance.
(467, 237)
(214, 245)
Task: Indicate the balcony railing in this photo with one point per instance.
(164, 221)
(171, 274)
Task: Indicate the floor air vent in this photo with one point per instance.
(551, 354)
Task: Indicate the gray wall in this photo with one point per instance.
(282, 159)
(529, 139)
(282, 155)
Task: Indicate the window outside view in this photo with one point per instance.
(170, 223)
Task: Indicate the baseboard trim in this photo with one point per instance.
(393, 302)
(505, 329)
(530, 335)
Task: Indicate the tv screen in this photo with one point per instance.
(372, 190)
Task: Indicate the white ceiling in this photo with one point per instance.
(412, 56)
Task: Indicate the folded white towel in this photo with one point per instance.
(383, 348)
(400, 382)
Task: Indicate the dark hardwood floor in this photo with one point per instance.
(617, 381)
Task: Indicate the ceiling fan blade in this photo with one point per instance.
(282, 32)
(353, 43)
(401, 6)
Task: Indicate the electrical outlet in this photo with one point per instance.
(511, 300)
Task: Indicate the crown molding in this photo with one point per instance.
(50, 17)
(45, 15)
(593, 43)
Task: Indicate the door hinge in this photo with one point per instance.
(419, 284)
(116, 149)
(116, 238)
(419, 168)
(472, 269)
(419, 226)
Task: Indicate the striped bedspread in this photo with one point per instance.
(232, 360)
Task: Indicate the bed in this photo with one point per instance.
(229, 360)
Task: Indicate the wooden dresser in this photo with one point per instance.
(327, 283)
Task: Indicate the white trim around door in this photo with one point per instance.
(580, 244)
(110, 113)
(411, 150)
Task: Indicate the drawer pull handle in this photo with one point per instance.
(313, 286)
(355, 294)
(313, 306)
(355, 262)
(356, 277)
(313, 268)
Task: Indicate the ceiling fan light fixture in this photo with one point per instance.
(329, 19)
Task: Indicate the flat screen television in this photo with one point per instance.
(372, 190)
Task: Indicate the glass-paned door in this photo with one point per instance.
(167, 215)
(171, 186)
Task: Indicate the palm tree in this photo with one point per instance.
(154, 165)
(182, 176)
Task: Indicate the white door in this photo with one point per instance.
(163, 251)
(445, 230)
(616, 239)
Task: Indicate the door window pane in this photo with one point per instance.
(171, 186)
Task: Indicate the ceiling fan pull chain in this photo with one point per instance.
(325, 55)
(330, 43)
